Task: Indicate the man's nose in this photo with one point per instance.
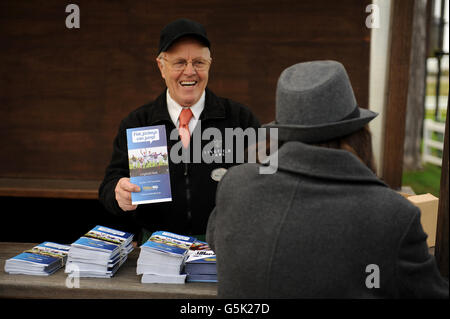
(189, 69)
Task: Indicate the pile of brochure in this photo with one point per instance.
(99, 253)
(42, 260)
(200, 263)
(161, 258)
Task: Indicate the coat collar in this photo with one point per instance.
(213, 108)
(324, 162)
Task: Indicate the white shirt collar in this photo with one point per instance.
(175, 109)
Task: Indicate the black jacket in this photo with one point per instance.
(193, 189)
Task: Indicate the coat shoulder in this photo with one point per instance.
(388, 198)
(242, 173)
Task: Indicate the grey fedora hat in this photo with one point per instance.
(315, 103)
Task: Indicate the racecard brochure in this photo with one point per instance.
(149, 164)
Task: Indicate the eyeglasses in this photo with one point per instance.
(197, 64)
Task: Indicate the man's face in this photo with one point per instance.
(185, 86)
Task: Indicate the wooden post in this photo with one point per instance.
(401, 35)
(415, 111)
(441, 249)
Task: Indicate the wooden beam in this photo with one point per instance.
(48, 188)
(401, 34)
(442, 247)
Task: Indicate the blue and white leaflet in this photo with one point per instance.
(43, 259)
(148, 161)
(99, 253)
(161, 258)
(170, 243)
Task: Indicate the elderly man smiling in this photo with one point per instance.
(187, 105)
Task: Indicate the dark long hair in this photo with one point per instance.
(358, 143)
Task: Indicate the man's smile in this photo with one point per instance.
(188, 83)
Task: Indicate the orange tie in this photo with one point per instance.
(183, 130)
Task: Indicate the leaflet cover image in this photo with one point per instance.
(44, 254)
(43, 259)
(169, 243)
(148, 161)
(110, 235)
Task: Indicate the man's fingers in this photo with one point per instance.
(124, 200)
(124, 196)
(123, 193)
(127, 207)
(127, 186)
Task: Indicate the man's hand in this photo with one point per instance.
(123, 193)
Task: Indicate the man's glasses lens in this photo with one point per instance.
(199, 65)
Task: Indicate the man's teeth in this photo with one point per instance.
(188, 83)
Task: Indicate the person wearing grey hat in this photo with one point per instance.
(324, 225)
(186, 106)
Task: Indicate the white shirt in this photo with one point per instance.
(175, 109)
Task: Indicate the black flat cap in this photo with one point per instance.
(180, 28)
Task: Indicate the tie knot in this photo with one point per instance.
(185, 116)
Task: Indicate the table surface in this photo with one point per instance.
(124, 284)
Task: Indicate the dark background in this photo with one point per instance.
(64, 91)
(59, 220)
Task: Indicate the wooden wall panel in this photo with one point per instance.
(64, 91)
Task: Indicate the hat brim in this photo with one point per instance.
(322, 132)
(199, 37)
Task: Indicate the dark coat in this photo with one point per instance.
(193, 189)
(312, 229)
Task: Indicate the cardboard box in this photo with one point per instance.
(428, 205)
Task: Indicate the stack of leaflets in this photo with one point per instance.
(161, 258)
(99, 253)
(200, 263)
(42, 260)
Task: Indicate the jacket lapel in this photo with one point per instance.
(160, 112)
(213, 108)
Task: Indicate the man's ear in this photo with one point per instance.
(160, 66)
